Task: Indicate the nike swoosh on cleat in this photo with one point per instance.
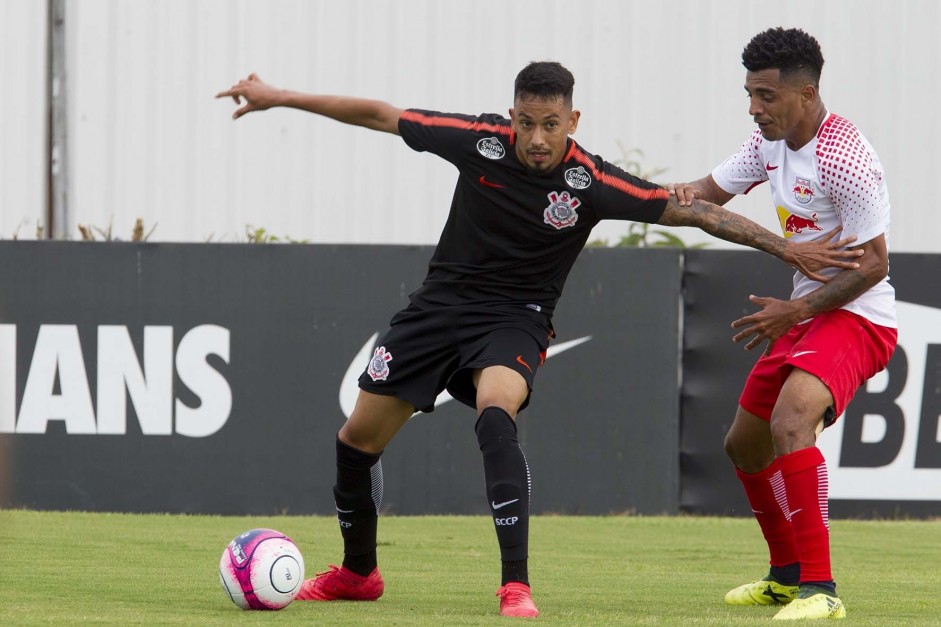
(349, 386)
(496, 505)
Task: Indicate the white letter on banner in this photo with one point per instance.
(901, 479)
(58, 349)
(7, 378)
(206, 382)
(151, 390)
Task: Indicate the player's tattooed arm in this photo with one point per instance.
(807, 257)
(777, 316)
(845, 287)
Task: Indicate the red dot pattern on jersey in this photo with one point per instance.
(848, 174)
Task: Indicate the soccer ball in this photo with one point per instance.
(261, 569)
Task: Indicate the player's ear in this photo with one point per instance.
(808, 93)
(573, 120)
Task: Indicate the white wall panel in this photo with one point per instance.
(22, 118)
(148, 140)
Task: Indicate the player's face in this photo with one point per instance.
(542, 128)
(778, 107)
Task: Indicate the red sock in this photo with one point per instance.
(765, 492)
(805, 478)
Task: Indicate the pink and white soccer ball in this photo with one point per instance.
(261, 569)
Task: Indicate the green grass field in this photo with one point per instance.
(124, 569)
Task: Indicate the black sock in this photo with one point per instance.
(515, 571)
(829, 586)
(360, 564)
(507, 477)
(358, 495)
(788, 574)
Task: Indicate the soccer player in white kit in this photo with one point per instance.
(824, 342)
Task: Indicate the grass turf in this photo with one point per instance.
(124, 569)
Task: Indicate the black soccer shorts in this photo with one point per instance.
(428, 350)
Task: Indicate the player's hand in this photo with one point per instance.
(774, 320)
(684, 193)
(823, 252)
(258, 95)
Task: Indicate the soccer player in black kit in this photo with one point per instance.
(524, 206)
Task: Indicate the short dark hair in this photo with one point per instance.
(792, 51)
(544, 80)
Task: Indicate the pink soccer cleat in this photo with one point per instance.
(516, 600)
(342, 584)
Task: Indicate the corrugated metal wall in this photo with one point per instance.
(148, 140)
(22, 117)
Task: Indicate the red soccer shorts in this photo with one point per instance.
(840, 348)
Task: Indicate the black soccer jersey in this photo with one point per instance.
(512, 234)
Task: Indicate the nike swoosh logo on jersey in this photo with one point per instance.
(770, 167)
(349, 387)
(484, 181)
(799, 353)
(496, 505)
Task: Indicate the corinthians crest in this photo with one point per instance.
(561, 210)
(379, 364)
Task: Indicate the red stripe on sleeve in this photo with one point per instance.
(440, 120)
(618, 183)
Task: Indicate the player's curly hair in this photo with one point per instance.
(792, 51)
(544, 80)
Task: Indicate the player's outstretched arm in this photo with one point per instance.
(705, 189)
(259, 96)
(807, 257)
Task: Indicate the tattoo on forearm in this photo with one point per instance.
(732, 227)
(841, 289)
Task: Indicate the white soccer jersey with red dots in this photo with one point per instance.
(835, 179)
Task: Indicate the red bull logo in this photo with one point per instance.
(803, 191)
(797, 224)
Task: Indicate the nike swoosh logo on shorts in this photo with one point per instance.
(349, 387)
(799, 353)
(496, 505)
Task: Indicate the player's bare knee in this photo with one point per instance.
(730, 448)
(499, 397)
(360, 440)
(745, 456)
(790, 432)
(509, 407)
